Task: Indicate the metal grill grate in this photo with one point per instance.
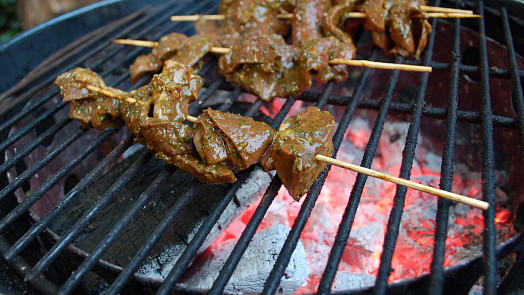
(149, 23)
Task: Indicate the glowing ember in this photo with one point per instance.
(361, 257)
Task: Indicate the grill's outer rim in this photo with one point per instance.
(58, 32)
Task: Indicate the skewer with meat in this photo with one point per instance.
(175, 47)
(155, 117)
(222, 141)
(298, 141)
(391, 22)
(242, 16)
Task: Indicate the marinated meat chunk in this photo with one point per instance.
(375, 15)
(335, 19)
(263, 65)
(317, 53)
(401, 34)
(308, 17)
(172, 142)
(175, 47)
(152, 63)
(173, 90)
(72, 84)
(101, 113)
(252, 15)
(421, 31)
(268, 67)
(297, 142)
(193, 50)
(248, 137)
(224, 136)
(87, 107)
(208, 141)
(156, 119)
(269, 52)
(211, 30)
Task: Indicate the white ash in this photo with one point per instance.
(252, 189)
(432, 162)
(254, 267)
(159, 266)
(348, 281)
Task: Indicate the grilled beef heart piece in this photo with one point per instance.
(297, 142)
(225, 137)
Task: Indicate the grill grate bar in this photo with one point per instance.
(255, 220)
(234, 96)
(346, 222)
(272, 283)
(498, 73)
(325, 95)
(195, 106)
(428, 111)
(367, 158)
(38, 165)
(31, 126)
(37, 142)
(22, 267)
(464, 116)
(86, 181)
(305, 210)
(488, 165)
(185, 259)
(141, 254)
(518, 97)
(27, 94)
(23, 113)
(254, 108)
(69, 51)
(240, 247)
(446, 179)
(203, 231)
(408, 155)
(50, 182)
(83, 58)
(37, 272)
(102, 247)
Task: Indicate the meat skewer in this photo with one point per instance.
(335, 61)
(325, 159)
(256, 56)
(445, 12)
(355, 14)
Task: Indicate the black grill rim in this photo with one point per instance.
(34, 274)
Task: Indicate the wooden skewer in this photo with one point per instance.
(380, 65)
(444, 9)
(110, 93)
(441, 14)
(446, 15)
(335, 61)
(370, 172)
(139, 43)
(401, 181)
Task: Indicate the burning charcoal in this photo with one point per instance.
(254, 267)
(158, 265)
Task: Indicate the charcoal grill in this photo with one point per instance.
(83, 39)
